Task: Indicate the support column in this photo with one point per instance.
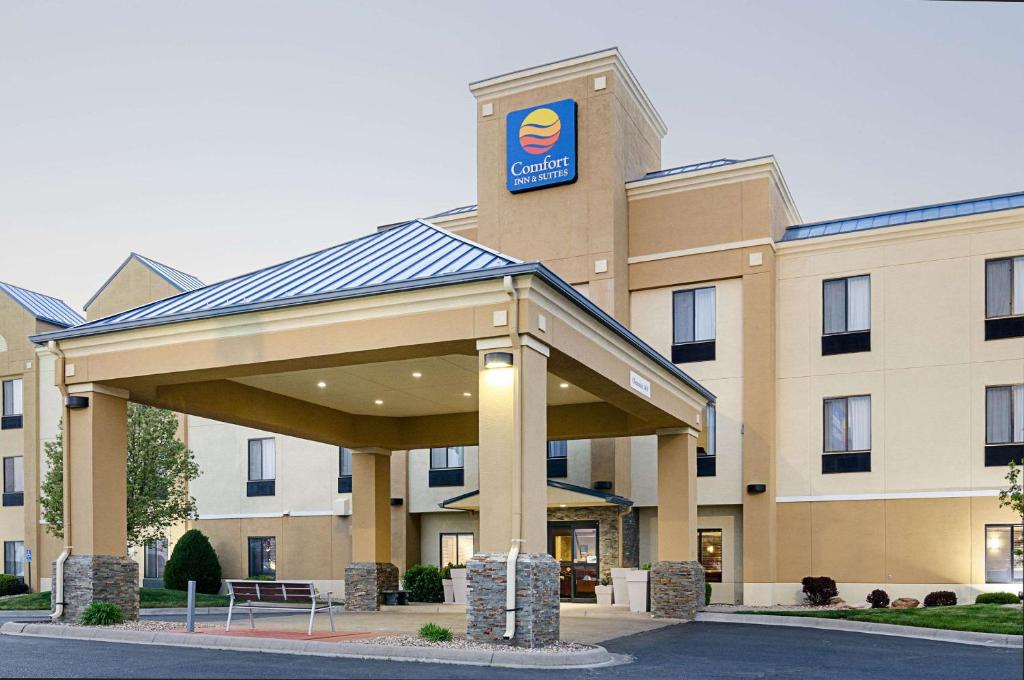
(371, 571)
(677, 579)
(513, 500)
(96, 440)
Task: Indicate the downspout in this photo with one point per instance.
(517, 473)
(58, 593)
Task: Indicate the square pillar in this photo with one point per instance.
(371, 571)
(513, 498)
(96, 441)
(677, 579)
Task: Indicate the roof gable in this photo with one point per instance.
(180, 280)
(43, 307)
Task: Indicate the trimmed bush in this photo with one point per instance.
(193, 559)
(940, 598)
(819, 590)
(707, 593)
(435, 633)
(101, 613)
(423, 581)
(446, 571)
(878, 599)
(997, 598)
(11, 585)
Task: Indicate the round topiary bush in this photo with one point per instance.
(878, 599)
(940, 598)
(193, 559)
(435, 633)
(11, 585)
(819, 590)
(423, 581)
(101, 613)
(997, 598)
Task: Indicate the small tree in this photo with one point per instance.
(193, 559)
(1013, 496)
(160, 467)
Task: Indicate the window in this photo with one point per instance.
(12, 406)
(693, 325)
(155, 558)
(558, 459)
(846, 315)
(1004, 562)
(456, 548)
(1004, 424)
(847, 429)
(14, 481)
(262, 471)
(446, 466)
(1004, 298)
(710, 545)
(14, 558)
(706, 461)
(344, 470)
(263, 556)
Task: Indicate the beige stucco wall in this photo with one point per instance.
(423, 497)
(433, 524)
(133, 285)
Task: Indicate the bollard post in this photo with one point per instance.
(190, 616)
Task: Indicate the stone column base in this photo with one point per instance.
(677, 590)
(537, 604)
(364, 583)
(91, 578)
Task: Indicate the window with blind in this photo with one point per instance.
(14, 558)
(846, 315)
(693, 325)
(263, 556)
(710, 546)
(456, 548)
(1004, 553)
(155, 559)
(558, 459)
(847, 435)
(12, 406)
(1004, 425)
(447, 466)
(1004, 298)
(344, 470)
(707, 446)
(262, 467)
(14, 481)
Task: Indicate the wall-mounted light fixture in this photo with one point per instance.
(756, 488)
(76, 401)
(498, 360)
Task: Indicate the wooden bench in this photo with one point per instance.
(278, 596)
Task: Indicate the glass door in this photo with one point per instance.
(575, 546)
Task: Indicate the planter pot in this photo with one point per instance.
(459, 585)
(604, 595)
(390, 597)
(620, 586)
(449, 593)
(637, 580)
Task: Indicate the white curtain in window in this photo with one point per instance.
(1018, 414)
(255, 461)
(704, 314)
(860, 423)
(465, 552)
(858, 303)
(345, 462)
(268, 459)
(835, 424)
(998, 401)
(834, 293)
(12, 397)
(19, 474)
(438, 458)
(456, 457)
(1018, 285)
(711, 424)
(998, 285)
(682, 316)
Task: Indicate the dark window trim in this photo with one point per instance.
(345, 484)
(558, 444)
(13, 499)
(846, 305)
(446, 477)
(147, 559)
(266, 487)
(10, 422)
(440, 545)
(850, 342)
(1011, 548)
(692, 352)
(260, 571)
(845, 463)
(447, 457)
(707, 465)
(248, 460)
(1012, 442)
(558, 468)
(700, 535)
(1000, 455)
(824, 425)
(1004, 327)
(9, 571)
(12, 490)
(1011, 315)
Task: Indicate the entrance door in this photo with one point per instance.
(575, 546)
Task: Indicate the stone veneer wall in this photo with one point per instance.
(677, 590)
(607, 519)
(364, 583)
(630, 539)
(537, 604)
(90, 578)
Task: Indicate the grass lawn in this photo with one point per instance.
(148, 597)
(978, 618)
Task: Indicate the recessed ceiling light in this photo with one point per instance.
(562, 505)
(378, 402)
(467, 394)
(417, 374)
(563, 385)
(321, 384)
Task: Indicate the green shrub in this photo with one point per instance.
(446, 571)
(707, 593)
(940, 598)
(11, 585)
(423, 581)
(878, 599)
(997, 598)
(819, 589)
(646, 566)
(101, 613)
(435, 633)
(193, 559)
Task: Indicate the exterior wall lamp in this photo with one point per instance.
(76, 401)
(498, 360)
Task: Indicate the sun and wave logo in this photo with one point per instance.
(539, 131)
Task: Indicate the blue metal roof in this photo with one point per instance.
(970, 206)
(554, 484)
(693, 167)
(177, 278)
(410, 251)
(43, 307)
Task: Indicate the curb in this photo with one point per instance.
(591, 658)
(937, 634)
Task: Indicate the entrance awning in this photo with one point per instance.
(560, 495)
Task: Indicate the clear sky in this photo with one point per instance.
(219, 137)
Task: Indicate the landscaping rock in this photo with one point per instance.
(836, 601)
(905, 603)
